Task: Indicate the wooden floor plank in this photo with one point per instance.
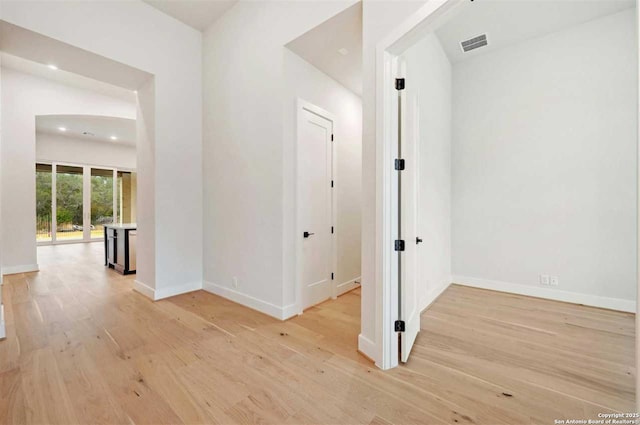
(82, 347)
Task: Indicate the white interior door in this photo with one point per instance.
(314, 180)
(410, 312)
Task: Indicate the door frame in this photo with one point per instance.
(301, 106)
(388, 52)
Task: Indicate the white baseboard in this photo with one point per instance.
(434, 294)
(172, 291)
(367, 347)
(265, 307)
(163, 293)
(289, 311)
(348, 285)
(145, 290)
(549, 293)
(3, 330)
(24, 268)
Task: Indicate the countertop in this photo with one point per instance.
(123, 226)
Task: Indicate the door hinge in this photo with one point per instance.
(399, 325)
(331, 276)
(399, 245)
(331, 183)
(331, 229)
(332, 137)
(399, 165)
(399, 83)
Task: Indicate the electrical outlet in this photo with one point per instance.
(235, 282)
(544, 279)
(553, 281)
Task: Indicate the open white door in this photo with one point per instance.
(410, 312)
(315, 204)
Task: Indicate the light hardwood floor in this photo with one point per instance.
(82, 347)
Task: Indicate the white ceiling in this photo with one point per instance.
(320, 47)
(102, 128)
(63, 77)
(507, 22)
(198, 14)
(20, 42)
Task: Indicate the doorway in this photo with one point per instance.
(504, 136)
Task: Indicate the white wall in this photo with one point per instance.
(544, 165)
(136, 34)
(637, 52)
(2, 321)
(637, 23)
(247, 199)
(145, 161)
(428, 84)
(310, 84)
(23, 98)
(54, 147)
(379, 18)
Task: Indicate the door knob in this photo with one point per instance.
(307, 234)
(418, 240)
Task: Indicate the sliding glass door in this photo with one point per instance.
(102, 200)
(69, 186)
(75, 202)
(44, 202)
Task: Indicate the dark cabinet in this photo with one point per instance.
(120, 248)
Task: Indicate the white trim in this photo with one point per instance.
(172, 291)
(387, 52)
(3, 330)
(70, 241)
(367, 347)
(54, 203)
(302, 105)
(145, 290)
(24, 268)
(289, 311)
(348, 285)
(433, 294)
(548, 293)
(163, 293)
(87, 164)
(253, 303)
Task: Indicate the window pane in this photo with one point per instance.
(101, 200)
(43, 202)
(126, 197)
(69, 202)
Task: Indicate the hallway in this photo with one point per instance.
(83, 348)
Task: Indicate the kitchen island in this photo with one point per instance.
(120, 247)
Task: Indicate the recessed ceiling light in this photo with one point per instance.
(135, 91)
(343, 51)
(51, 66)
(113, 138)
(62, 128)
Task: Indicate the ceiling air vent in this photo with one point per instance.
(474, 43)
